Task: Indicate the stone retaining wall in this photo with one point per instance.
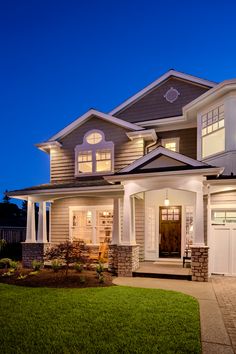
(199, 263)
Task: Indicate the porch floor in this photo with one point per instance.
(163, 269)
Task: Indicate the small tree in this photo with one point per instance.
(68, 253)
(5, 198)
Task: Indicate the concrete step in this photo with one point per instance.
(162, 275)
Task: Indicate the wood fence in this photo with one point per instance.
(12, 234)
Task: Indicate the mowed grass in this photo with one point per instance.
(97, 320)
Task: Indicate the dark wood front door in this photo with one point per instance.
(170, 232)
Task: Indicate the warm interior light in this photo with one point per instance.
(166, 201)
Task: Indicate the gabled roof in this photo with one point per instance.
(167, 75)
(93, 113)
(172, 159)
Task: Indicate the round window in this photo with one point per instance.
(171, 95)
(94, 138)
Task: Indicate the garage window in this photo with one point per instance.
(223, 216)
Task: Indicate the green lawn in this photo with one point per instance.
(97, 320)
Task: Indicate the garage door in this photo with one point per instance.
(224, 243)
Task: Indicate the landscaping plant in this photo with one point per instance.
(36, 265)
(56, 265)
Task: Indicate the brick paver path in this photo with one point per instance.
(225, 290)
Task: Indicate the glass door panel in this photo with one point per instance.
(82, 228)
(104, 222)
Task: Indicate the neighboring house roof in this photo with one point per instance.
(91, 113)
(161, 79)
(154, 159)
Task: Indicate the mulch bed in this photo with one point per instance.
(48, 278)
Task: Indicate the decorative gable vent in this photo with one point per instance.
(171, 95)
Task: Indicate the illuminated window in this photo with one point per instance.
(213, 132)
(171, 144)
(95, 155)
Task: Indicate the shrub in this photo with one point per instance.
(8, 274)
(21, 276)
(36, 265)
(35, 272)
(101, 278)
(56, 265)
(5, 262)
(14, 265)
(100, 268)
(79, 267)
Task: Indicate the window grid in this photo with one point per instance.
(94, 138)
(213, 120)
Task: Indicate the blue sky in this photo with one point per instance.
(60, 58)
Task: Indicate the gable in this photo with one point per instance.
(162, 162)
(153, 105)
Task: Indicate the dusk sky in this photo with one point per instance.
(60, 58)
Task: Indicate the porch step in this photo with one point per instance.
(162, 275)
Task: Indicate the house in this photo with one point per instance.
(150, 178)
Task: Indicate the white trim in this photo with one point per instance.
(213, 93)
(162, 151)
(148, 135)
(162, 121)
(202, 172)
(92, 112)
(86, 208)
(85, 146)
(162, 78)
(46, 146)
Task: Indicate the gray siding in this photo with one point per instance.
(139, 225)
(60, 215)
(154, 105)
(62, 166)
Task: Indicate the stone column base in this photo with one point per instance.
(123, 259)
(33, 252)
(199, 263)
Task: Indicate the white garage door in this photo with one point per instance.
(224, 249)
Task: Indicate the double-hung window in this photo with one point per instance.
(213, 132)
(95, 155)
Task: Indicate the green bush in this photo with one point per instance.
(14, 265)
(101, 278)
(5, 262)
(56, 265)
(79, 267)
(36, 265)
(100, 268)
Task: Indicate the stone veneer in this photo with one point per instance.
(199, 263)
(33, 251)
(123, 259)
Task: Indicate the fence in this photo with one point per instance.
(12, 234)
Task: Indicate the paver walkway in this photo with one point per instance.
(217, 300)
(225, 290)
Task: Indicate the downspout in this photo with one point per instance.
(150, 145)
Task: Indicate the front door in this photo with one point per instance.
(170, 232)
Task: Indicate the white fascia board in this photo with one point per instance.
(202, 171)
(162, 121)
(92, 112)
(46, 146)
(207, 97)
(148, 135)
(162, 78)
(166, 152)
(68, 191)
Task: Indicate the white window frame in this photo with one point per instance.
(94, 209)
(102, 145)
(171, 140)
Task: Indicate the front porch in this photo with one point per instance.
(164, 270)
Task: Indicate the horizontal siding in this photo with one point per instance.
(139, 226)
(154, 105)
(62, 166)
(60, 215)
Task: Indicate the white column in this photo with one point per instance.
(116, 231)
(42, 223)
(128, 221)
(199, 220)
(30, 231)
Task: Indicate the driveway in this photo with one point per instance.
(217, 300)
